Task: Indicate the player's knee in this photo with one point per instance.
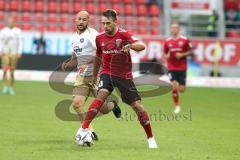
(105, 108)
(78, 104)
(137, 106)
(174, 85)
(182, 89)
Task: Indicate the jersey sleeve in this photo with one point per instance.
(1, 41)
(92, 38)
(165, 48)
(99, 50)
(189, 45)
(71, 43)
(130, 37)
(20, 42)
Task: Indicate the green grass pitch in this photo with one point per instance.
(30, 130)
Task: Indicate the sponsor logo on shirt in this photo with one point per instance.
(82, 40)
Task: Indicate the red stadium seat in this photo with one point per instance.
(154, 10)
(65, 7)
(1, 25)
(130, 21)
(233, 34)
(14, 15)
(90, 7)
(155, 21)
(52, 27)
(52, 18)
(39, 17)
(142, 10)
(2, 5)
(26, 5)
(40, 27)
(142, 21)
(155, 31)
(103, 1)
(52, 6)
(66, 28)
(142, 31)
(128, 10)
(116, 1)
(117, 7)
(141, 2)
(121, 20)
(26, 16)
(102, 7)
(77, 6)
(2, 15)
(26, 26)
(13, 5)
(127, 1)
(65, 18)
(38, 6)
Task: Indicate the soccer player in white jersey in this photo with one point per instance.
(84, 50)
(10, 51)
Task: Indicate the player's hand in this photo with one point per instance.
(82, 68)
(179, 55)
(168, 55)
(94, 80)
(19, 56)
(126, 48)
(63, 66)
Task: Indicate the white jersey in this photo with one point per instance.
(10, 40)
(84, 47)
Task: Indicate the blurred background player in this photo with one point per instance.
(176, 49)
(84, 51)
(10, 49)
(41, 44)
(113, 52)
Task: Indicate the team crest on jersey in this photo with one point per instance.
(180, 43)
(102, 44)
(118, 42)
(82, 40)
(170, 45)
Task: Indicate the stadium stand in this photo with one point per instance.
(52, 15)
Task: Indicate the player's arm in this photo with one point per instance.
(166, 51)
(187, 53)
(97, 61)
(136, 46)
(20, 45)
(96, 65)
(70, 64)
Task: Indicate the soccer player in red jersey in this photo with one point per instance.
(113, 53)
(176, 49)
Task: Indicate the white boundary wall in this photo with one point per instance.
(222, 82)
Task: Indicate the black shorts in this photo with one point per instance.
(127, 88)
(179, 76)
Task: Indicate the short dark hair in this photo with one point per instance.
(175, 22)
(110, 13)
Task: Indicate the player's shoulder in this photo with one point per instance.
(16, 29)
(92, 31)
(74, 35)
(4, 29)
(183, 37)
(169, 39)
(100, 35)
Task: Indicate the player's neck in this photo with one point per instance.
(114, 32)
(81, 31)
(176, 36)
